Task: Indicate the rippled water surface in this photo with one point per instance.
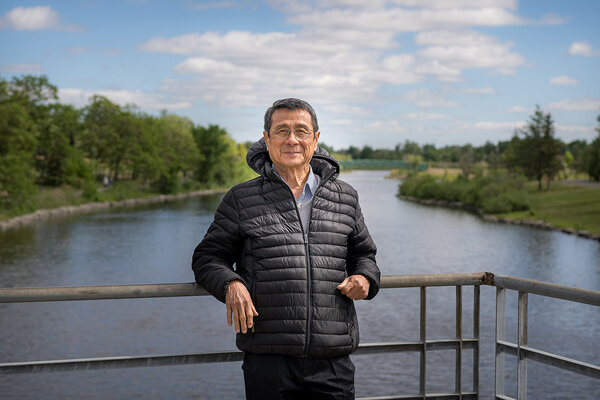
(154, 244)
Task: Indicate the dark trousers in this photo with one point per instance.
(275, 377)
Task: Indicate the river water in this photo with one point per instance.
(153, 244)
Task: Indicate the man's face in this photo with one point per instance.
(290, 152)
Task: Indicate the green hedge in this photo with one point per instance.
(494, 194)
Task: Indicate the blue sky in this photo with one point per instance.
(377, 72)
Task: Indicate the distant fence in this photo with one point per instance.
(369, 163)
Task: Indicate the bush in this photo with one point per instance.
(90, 191)
(491, 193)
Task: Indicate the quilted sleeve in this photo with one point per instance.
(361, 254)
(215, 255)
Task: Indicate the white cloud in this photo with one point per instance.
(426, 116)
(144, 100)
(343, 50)
(35, 19)
(241, 67)
(574, 128)
(22, 69)
(388, 127)
(341, 122)
(520, 109)
(497, 126)
(426, 99)
(214, 4)
(468, 49)
(586, 104)
(32, 18)
(347, 109)
(483, 90)
(583, 49)
(563, 80)
(407, 19)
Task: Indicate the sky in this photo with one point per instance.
(377, 72)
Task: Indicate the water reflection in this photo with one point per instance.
(153, 244)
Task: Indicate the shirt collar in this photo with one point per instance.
(309, 187)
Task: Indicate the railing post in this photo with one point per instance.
(476, 306)
(522, 342)
(458, 359)
(500, 335)
(423, 336)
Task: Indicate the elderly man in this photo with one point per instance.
(302, 254)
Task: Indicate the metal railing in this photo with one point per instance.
(520, 349)
(423, 346)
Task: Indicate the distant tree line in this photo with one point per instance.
(533, 151)
(46, 143)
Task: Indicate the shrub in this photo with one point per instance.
(491, 193)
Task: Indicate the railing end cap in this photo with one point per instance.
(488, 278)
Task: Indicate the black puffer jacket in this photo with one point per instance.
(291, 277)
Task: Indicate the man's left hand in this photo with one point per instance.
(355, 286)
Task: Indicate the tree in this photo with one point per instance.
(177, 150)
(23, 114)
(592, 156)
(110, 133)
(58, 158)
(467, 162)
(366, 152)
(221, 159)
(17, 146)
(537, 153)
(430, 153)
(577, 149)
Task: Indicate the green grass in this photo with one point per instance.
(564, 206)
(66, 195)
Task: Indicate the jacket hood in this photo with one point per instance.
(322, 162)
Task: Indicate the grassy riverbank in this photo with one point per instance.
(568, 204)
(48, 198)
(565, 205)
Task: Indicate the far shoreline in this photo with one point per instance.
(46, 214)
(492, 218)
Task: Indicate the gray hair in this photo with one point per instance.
(291, 104)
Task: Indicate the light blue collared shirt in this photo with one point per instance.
(309, 187)
(304, 201)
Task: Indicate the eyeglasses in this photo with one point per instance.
(300, 133)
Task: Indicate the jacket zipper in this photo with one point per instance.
(308, 265)
(309, 291)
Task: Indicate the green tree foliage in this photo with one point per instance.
(109, 133)
(48, 143)
(17, 146)
(23, 115)
(176, 149)
(592, 156)
(221, 161)
(537, 153)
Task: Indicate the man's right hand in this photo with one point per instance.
(239, 303)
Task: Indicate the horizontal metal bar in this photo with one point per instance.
(418, 280)
(465, 395)
(19, 295)
(551, 359)
(181, 359)
(548, 289)
(504, 397)
(85, 364)
(398, 347)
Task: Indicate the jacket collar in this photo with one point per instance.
(323, 164)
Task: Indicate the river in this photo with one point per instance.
(153, 244)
